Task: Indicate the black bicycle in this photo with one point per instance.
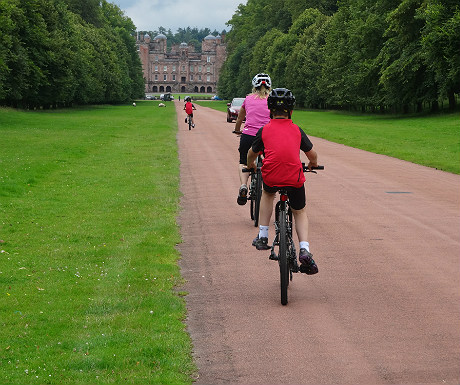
(255, 190)
(188, 120)
(287, 255)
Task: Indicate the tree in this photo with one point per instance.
(305, 61)
(440, 38)
(405, 77)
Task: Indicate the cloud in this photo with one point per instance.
(173, 14)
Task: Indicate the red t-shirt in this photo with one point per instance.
(281, 140)
(189, 108)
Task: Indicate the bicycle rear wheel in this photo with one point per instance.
(257, 196)
(189, 123)
(283, 258)
(252, 208)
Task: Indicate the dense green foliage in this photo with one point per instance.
(397, 55)
(61, 52)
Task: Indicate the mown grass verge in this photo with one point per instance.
(429, 140)
(88, 276)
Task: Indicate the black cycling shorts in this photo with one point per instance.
(245, 145)
(296, 195)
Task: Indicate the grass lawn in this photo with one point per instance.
(429, 140)
(88, 265)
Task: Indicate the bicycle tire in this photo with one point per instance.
(189, 123)
(283, 258)
(257, 196)
(251, 198)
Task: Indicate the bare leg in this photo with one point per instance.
(244, 176)
(301, 224)
(266, 208)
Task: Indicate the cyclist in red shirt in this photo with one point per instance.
(189, 107)
(282, 140)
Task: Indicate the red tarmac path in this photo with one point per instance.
(385, 305)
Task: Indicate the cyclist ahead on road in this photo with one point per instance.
(281, 140)
(257, 114)
(189, 107)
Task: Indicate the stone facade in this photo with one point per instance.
(181, 69)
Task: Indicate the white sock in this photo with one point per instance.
(305, 245)
(263, 231)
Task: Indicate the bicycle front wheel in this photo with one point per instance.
(283, 258)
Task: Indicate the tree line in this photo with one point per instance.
(57, 53)
(369, 55)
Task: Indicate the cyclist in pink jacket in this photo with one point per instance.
(257, 114)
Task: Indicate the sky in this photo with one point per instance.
(149, 15)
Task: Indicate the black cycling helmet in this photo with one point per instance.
(281, 99)
(188, 99)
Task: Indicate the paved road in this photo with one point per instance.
(385, 306)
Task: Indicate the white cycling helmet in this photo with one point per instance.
(260, 79)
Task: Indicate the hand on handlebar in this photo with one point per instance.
(252, 166)
(312, 165)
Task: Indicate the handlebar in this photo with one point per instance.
(304, 166)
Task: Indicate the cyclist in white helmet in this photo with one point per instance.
(257, 114)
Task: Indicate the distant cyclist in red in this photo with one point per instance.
(189, 107)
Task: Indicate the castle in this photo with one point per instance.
(182, 69)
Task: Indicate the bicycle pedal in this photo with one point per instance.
(273, 257)
(305, 269)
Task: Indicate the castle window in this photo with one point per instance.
(165, 68)
(183, 68)
(165, 77)
(191, 78)
(208, 69)
(156, 68)
(174, 77)
(200, 68)
(208, 59)
(156, 77)
(156, 58)
(208, 78)
(199, 78)
(174, 69)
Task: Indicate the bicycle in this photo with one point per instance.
(287, 255)
(188, 120)
(255, 190)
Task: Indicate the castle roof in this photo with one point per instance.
(160, 36)
(210, 37)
